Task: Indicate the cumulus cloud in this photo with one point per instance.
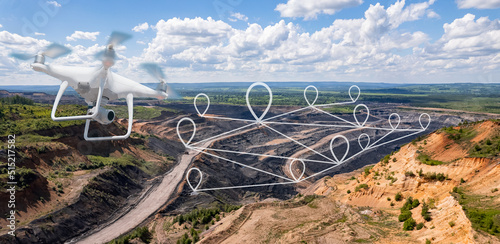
(398, 14)
(479, 4)
(1, 25)
(200, 44)
(80, 35)
(39, 34)
(9, 43)
(175, 35)
(371, 48)
(467, 37)
(431, 14)
(141, 27)
(238, 16)
(311, 9)
(54, 3)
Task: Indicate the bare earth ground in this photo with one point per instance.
(148, 206)
(367, 215)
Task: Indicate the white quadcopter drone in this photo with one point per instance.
(97, 85)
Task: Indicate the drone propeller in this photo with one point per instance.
(54, 50)
(154, 70)
(22, 56)
(109, 55)
(117, 38)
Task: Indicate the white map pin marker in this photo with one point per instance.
(199, 182)
(359, 93)
(346, 151)
(428, 121)
(316, 98)
(390, 120)
(360, 137)
(186, 144)
(259, 119)
(367, 114)
(303, 169)
(196, 107)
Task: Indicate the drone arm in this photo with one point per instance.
(130, 105)
(62, 89)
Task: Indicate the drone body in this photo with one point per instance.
(97, 85)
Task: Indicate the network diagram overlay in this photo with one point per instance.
(332, 158)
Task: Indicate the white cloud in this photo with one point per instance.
(238, 16)
(432, 15)
(39, 34)
(54, 3)
(176, 35)
(414, 11)
(467, 37)
(479, 4)
(310, 9)
(372, 48)
(13, 70)
(1, 25)
(200, 44)
(77, 35)
(141, 27)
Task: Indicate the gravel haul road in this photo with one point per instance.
(147, 206)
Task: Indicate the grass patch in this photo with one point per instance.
(482, 211)
(308, 199)
(486, 148)
(22, 118)
(435, 176)
(142, 233)
(367, 170)
(23, 176)
(361, 186)
(140, 112)
(462, 134)
(426, 159)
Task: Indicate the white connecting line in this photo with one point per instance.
(260, 121)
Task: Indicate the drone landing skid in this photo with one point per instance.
(61, 91)
(90, 117)
(130, 105)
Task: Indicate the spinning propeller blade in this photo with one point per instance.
(155, 70)
(172, 94)
(108, 56)
(54, 50)
(21, 56)
(117, 38)
(99, 55)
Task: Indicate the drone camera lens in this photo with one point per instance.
(111, 115)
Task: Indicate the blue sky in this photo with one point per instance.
(242, 40)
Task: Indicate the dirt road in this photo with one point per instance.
(147, 206)
(152, 202)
